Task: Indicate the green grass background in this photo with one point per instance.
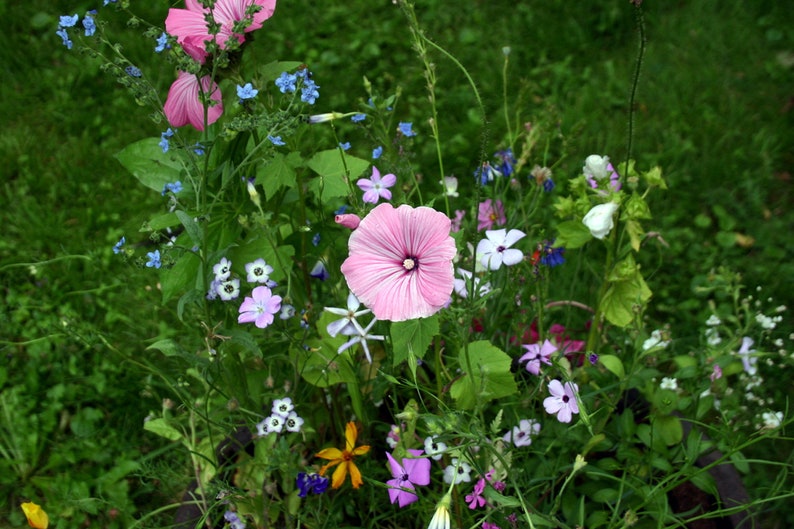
(714, 109)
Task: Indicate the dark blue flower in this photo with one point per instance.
(506, 161)
(486, 173)
(319, 271)
(551, 256)
(548, 185)
(310, 483)
(162, 43)
(133, 71)
(593, 358)
(316, 239)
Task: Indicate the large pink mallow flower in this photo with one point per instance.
(183, 104)
(189, 26)
(400, 262)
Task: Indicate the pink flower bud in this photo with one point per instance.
(348, 220)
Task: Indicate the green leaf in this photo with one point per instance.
(491, 377)
(572, 234)
(272, 70)
(654, 178)
(336, 170)
(163, 429)
(167, 347)
(191, 227)
(181, 277)
(412, 337)
(323, 367)
(621, 298)
(613, 365)
(668, 429)
(159, 222)
(147, 162)
(278, 173)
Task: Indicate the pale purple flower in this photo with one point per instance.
(293, 423)
(411, 472)
(522, 434)
(376, 187)
(562, 401)
(537, 354)
(228, 289)
(259, 308)
(282, 407)
(222, 269)
(494, 250)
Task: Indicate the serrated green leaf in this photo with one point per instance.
(278, 173)
(162, 428)
(491, 377)
(180, 277)
(413, 336)
(572, 234)
(336, 172)
(147, 162)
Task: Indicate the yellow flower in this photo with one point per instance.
(344, 458)
(36, 516)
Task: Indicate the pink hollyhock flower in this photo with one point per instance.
(184, 105)
(259, 308)
(537, 354)
(562, 400)
(413, 471)
(189, 26)
(376, 187)
(400, 262)
(490, 213)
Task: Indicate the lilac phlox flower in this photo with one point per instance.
(164, 145)
(377, 152)
(89, 25)
(537, 354)
(457, 221)
(154, 259)
(486, 173)
(286, 82)
(258, 271)
(362, 339)
(234, 521)
(490, 212)
(357, 118)
(562, 401)
(495, 249)
(597, 168)
(457, 472)
(406, 129)
(393, 437)
(376, 187)
(282, 407)
(247, 91)
(746, 354)
(319, 271)
(464, 283)
(276, 140)
(162, 43)
(506, 161)
(228, 289)
(259, 308)
(411, 472)
(475, 500)
(434, 448)
(118, 247)
(311, 483)
(222, 269)
(522, 434)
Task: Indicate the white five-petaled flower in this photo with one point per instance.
(463, 284)
(599, 219)
(293, 423)
(495, 249)
(348, 325)
(258, 271)
(283, 407)
(595, 166)
(434, 449)
(457, 472)
(522, 434)
(669, 383)
(362, 339)
(222, 269)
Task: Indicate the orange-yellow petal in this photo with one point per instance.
(351, 433)
(330, 453)
(36, 516)
(339, 475)
(361, 450)
(355, 475)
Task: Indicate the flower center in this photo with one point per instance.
(500, 249)
(410, 263)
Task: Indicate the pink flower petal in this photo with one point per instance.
(183, 105)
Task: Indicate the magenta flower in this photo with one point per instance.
(413, 471)
(376, 187)
(189, 26)
(490, 213)
(184, 105)
(400, 262)
(537, 354)
(259, 308)
(475, 499)
(562, 400)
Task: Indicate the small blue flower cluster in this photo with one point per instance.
(164, 145)
(288, 83)
(67, 21)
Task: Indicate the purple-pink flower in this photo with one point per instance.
(184, 105)
(189, 26)
(562, 400)
(490, 213)
(475, 499)
(400, 262)
(259, 308)
(537, 354)
(376, 187)
(413, 471)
